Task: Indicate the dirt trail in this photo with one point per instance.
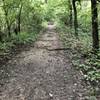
(42, 74)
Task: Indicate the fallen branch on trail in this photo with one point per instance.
(58, 49)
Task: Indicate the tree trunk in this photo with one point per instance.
(6, 18)
(9, 33)
(46, 1)
(70, 13)
(95, 34)
(8, 26)
(1, 36)
(19, 18)
(75, 18)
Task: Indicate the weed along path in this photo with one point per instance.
(43, 73)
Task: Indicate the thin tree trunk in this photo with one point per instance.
(1, 35)
(8, 26)
(6, 18)
(19, 18)
(46, 1)
(75, 18)
(95, 34)
(70, 11)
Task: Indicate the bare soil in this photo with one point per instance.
(43, 72)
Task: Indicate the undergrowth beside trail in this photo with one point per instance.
(82, 57)
(11, 46)
(21, 38)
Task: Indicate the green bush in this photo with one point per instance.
(21, 38)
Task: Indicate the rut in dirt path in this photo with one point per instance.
(41, 74)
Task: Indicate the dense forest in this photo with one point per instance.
(26, 16)
(76, 21)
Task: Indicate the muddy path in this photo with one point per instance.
(43, 73)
